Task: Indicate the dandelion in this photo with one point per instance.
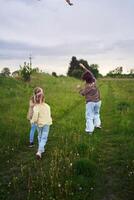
(71, 164)
(59, 185)
(130, 173)
(9, 184)
(80, 188)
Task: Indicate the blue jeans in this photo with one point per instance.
(92, 115)
(42, 137)
(32, 131)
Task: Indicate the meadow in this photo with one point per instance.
(75, 166)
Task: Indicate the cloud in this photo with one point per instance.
(15, 49)
(96, 30)
(20, 50)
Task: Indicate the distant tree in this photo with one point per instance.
(16, 73)
(85, 63)
(76, 71)
(117, 72)
(54, 74)
(26, 71)
(131, 71)
(100, 76)
(74, 65)
(95, 70)
(62, 76)
(5, 72)
(35, 70)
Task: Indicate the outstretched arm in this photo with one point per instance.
(81, 65)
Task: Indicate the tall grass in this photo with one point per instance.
(75, 166)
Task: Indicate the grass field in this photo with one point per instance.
(75, 166)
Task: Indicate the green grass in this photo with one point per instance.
(75, 166)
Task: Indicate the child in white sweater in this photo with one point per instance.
(42, 117)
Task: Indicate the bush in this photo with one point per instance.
(5, 72)
(54, 74)
(80, 182)
(84, 167)
(26, 72)
(82, 149)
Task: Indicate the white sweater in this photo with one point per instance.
(41, 115)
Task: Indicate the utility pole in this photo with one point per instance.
(30, 58)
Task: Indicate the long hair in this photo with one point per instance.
(38, 95)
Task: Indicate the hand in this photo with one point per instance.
(78, 86)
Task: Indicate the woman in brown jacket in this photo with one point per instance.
(93, 102)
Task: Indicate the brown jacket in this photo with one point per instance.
(91, 93)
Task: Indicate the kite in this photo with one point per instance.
(68, 1)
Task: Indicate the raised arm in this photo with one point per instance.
(81, 65)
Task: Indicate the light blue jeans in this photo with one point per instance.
(32, 131)
(42, 137)
(92, 116)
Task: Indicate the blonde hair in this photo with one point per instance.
(38, 95)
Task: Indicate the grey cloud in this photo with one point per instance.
(19, 50)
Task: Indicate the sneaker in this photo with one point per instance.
(31, 145)
(98, 127)
(38, 155)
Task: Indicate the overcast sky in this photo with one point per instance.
(99, 31)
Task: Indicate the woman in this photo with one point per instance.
(93, 102)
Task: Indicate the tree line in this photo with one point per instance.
(74, 70)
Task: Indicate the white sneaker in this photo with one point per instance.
(98, 127)
(38, 155)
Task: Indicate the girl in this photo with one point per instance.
(42, 117)
(93, 102)
(29, 117)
